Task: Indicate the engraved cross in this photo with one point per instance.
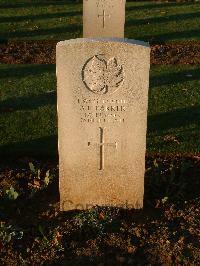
(104, 17)
(101, 145)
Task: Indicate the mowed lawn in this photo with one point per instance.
(28, 119)
(149, 21)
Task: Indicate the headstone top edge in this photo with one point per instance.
(111, 40)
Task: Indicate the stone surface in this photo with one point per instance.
(102, 120)
(103, 18)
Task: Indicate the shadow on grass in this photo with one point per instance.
(178, 17)
(72, 28)
(174, 119)
(45, 147)
(170, 36)
(40, 16)
(158, 6)
(64, 2)
(28, 102)
(174, 78)
(13, 71)
(37, 4)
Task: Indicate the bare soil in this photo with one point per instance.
(44, 52)
(165, 232)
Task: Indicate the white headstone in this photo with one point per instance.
(103, 18)
(102, 121)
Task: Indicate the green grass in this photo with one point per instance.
(28, 120)
(150, 21)
(174, 109)
(31, 127)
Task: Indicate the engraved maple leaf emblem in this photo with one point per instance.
(101, 75)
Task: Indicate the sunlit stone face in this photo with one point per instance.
(102, 120)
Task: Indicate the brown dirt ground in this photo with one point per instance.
(43, 52)
(165, 232)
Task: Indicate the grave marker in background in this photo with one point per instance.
(103, 18)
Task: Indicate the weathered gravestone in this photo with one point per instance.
(103, 18)
(102, 120)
